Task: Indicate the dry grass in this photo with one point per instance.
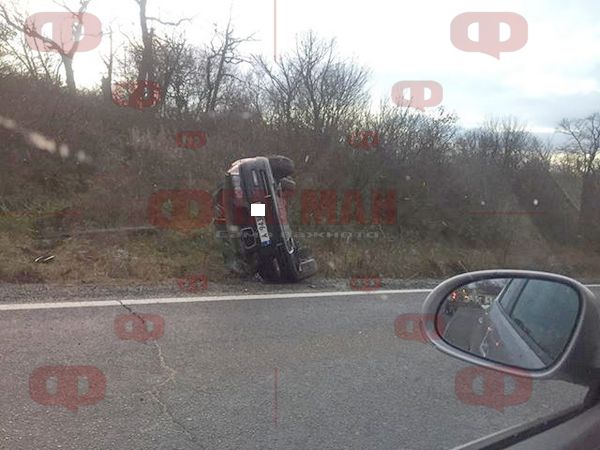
(159, 256)
(131, 156)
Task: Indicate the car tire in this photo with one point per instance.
(270, 270)
(281, 166)
(289, 267)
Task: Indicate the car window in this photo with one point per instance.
(531, 308)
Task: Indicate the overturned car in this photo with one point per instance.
(251, 220)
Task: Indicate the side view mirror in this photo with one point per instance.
(536, 324)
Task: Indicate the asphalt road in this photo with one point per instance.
(300, 372)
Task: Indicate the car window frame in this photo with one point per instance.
(507, 311)
(530, 340)
(511, 301)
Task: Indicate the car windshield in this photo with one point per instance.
(219, 220)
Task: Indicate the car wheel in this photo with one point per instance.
(289, 266)
(270, 270)
(281, 166)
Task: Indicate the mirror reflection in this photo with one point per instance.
(522, 322)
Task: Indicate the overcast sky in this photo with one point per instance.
(555, 75)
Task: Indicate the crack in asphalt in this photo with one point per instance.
(128, 308)
(164, 365)
(156, 391)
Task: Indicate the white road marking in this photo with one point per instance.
(157, 301)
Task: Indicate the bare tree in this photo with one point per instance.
(176, 75)
(17, 57)
(108, 61)
(149, 55)
(505, 142)
(221, 58)
(277, 90)
(193, 79)
(146, 68)
(18, 22)
(6, 35)
(408, 137)
(314, 87)
(330, 88)
(584, 142)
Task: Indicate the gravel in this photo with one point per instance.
(39, 292)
